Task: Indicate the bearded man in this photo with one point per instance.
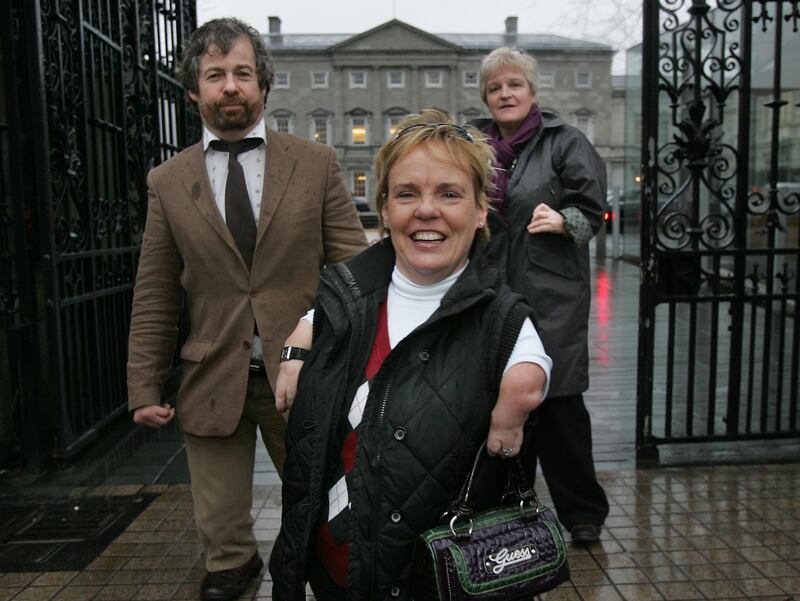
(239, 225)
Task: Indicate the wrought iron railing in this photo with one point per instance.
(719, 336)
(101, 107)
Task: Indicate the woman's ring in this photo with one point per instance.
(506, 451)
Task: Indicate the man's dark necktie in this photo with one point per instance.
(238, 210)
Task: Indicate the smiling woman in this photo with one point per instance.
(433, 211)
(402, 375)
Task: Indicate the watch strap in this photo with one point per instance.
(290, 353)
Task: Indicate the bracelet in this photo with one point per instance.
(289, 353)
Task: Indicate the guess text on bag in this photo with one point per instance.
(497, 562)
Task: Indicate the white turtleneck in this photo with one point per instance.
(409, 305)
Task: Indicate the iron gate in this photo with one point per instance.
(90, 104)
(718, 326)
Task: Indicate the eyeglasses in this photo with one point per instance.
(457, 129)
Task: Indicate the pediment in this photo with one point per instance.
(395, 36)
(396, 111)
(358, 112)
(473, 111)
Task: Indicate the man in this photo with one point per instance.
(242, 223)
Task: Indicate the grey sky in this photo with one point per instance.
(614, 22)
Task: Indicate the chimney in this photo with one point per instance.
(275, 25)
(275, 36)
(510, 38)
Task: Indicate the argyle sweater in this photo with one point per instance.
(332, 544)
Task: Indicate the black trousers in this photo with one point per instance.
(560, 436)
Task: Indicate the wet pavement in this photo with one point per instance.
(690, 531)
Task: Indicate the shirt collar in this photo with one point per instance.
(409, 289)
(259, 131)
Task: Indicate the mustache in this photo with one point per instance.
(228, 100)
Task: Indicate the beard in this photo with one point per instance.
(227, 120)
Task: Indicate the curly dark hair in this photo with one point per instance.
(223, 34)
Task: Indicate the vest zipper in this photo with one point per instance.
(376, 520)
(379, 429)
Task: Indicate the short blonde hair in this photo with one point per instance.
(500, 58)
(463, 147)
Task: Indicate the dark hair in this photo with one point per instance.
(223, 34)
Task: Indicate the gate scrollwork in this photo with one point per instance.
(719, 330)
(89, 137)
(699, 67)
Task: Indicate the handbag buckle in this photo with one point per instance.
(466, 534)
(537, 509)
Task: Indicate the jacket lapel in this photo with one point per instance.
(279, 168)
(195, 179)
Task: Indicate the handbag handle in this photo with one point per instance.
(518, 487)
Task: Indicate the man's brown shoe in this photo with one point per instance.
(228, 585)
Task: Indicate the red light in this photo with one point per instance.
(607, 215)
(602, 308)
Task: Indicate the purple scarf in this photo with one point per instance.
(507, 151)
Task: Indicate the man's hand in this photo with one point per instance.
(286, 386)
(289, 371)
(154, 416)
(546, 220)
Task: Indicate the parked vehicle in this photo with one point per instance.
(608, 212)
(362, 206)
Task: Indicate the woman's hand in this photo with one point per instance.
(289, 371)
(546, 220)
(505, 433)
(520, 393)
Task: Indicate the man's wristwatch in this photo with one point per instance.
(293, 352)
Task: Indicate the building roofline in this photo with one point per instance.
(394, 22)
(459, 43)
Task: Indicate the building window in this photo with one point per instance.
(358, 79)
(470, 79)
(358, 188)
(396, 79)
(583, 79)
(319, 129)
(359, 133)
(283, 122)
(434, 78)
(281, 81)
(391, 125)
(584, 122)
(547, 79)
(319, 79)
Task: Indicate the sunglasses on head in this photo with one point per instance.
(457, 130)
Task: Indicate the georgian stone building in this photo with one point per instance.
(350, 91)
